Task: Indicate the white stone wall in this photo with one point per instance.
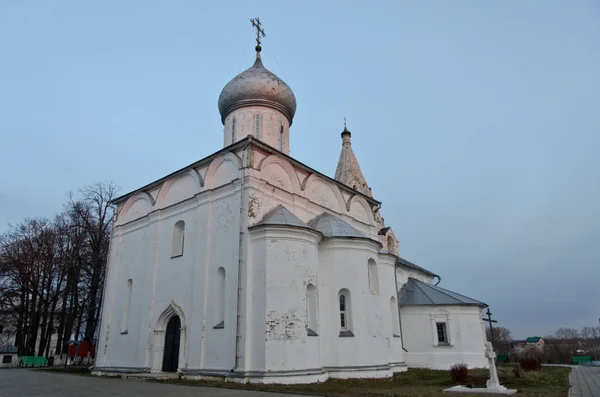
(282, 263)
(141, 251)
(343, 265)
(466, 336)
(270, 127)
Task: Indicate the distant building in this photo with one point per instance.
(536, 341)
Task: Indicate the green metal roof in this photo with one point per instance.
(533, 339)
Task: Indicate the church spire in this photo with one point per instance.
(348, 170)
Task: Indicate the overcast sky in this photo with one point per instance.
(476, 123)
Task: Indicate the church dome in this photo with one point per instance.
(257, 87)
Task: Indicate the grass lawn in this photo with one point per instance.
(549, 382)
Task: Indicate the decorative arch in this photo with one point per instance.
(222, 170)
(135, 207)
(359, 209)
(328, 197)
(179, 188)
(172, 310)
(273, 162)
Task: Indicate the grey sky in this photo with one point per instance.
(476, 123)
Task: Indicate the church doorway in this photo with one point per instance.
(172, 339)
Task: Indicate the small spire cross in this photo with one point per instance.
(344, 123)
(259, 31)
(490, 321)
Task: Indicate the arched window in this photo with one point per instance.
(281, 135)
(127, 308)
(178, 236)
(311, 310)
(257, 120)
(220, 299)
(233, 130)
(390, 245)
(373, 277)
(395, 320)
(345, 313)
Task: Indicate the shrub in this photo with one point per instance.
(517, 371)
(459, 373)
(531, 359)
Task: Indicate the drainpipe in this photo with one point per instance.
(398, 308)
(240, 246)
(439, 280)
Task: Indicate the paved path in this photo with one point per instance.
(24, 382)
(585, 381)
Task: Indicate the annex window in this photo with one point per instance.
(220, 299)
(178, 237)
(345, 313)
(442, 333)
(233, 130)
(311, 310)
(257, 121)
(281, 135)
(373, 277)
(395, 319)
(127, 308)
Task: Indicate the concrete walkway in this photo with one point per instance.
(585, 381)
(25, 382)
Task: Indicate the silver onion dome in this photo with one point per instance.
(257, 87)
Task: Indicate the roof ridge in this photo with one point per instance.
(419, 287)
(445, 291)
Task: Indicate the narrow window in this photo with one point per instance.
(257, 125)
(442, 333)
(233, 130)
(373, 277)
(178, 237)
(345, 314)
(395, 321)
(311, 310)
(281, 135)
(220, 299)
(390, 244)
(127, 308)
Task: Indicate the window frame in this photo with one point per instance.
(281, 135)
(177, 244)
(127, 308)
(441, 316)
(312, 310)
(344, 314)
(257, 125)
(233, 130)
(443, 326)
(221, 296)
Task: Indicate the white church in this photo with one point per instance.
(251, 266)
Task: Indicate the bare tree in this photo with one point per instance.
(52, 273)
(95, 213)
(502, 337)
(592, 333)
(566, 333)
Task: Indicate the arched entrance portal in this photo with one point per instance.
(172, 339)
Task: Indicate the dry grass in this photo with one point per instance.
(549, 382)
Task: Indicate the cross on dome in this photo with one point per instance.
(259, 31)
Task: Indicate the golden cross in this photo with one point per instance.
(259, 31)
